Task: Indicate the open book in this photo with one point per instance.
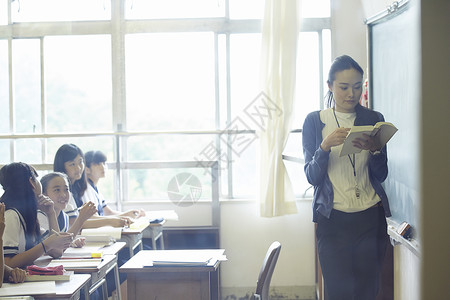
(384, 130)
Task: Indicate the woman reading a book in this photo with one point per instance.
(349, 205)
(24, 240)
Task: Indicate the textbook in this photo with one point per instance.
(63, 277)
(78, 263)
(385, 130)
(84, 252)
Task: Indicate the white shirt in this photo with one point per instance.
(340, 170)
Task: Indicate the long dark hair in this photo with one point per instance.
(340, 63)
(65, 153)
(19, 195)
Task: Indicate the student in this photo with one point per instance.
(349, 204)
(95, 169)
(23, 241)
(15, 275)
(55, 185)
(69, 159)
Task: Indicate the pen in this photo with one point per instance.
(55, 232)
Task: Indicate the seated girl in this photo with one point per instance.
(55, 185)
(69, 159)
(23, 239)
(15, 275)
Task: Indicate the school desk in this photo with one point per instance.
(169, 281)
(133, 237)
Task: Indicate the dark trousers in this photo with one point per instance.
(351, 250)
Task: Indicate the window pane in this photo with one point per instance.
(3, 12)
(245, 177)
(172, 147)
(4, 87)
(4, 152)
(167, 9)
(316, 8)
(29, 151)
(60, 10)
(244, 64)
(308, 76)
(78, 83)
(170, 81)
(246, 9)
(161, 184)
(27, 85)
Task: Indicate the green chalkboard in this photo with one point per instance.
(394, 87)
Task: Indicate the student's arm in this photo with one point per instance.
(50, 245)
(99, 221)
(86, 212)
(132, 213)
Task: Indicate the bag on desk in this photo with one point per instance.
(36, 270)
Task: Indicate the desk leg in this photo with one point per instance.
(161, 241)
(117, 280)
(214, 278)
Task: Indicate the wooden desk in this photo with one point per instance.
(133, 237)
(155, 232)
(97, 274)
(170, 282)
(69, 289)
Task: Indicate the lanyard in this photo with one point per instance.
(352, 162)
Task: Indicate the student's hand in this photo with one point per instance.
(78, 242)
(368, 142)
(58, 242)
(2, 219)
(134, 213)
(17, 275)
(87, 210)
(118, 221)
(334, 139)
(45, 204)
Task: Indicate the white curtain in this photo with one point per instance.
(280, 31)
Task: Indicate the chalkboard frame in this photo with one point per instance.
(394, 76)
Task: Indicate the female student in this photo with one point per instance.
(349, 204)
(69, 159)
(95, 169)
(55, 185)
(23, 241)
(15, 275)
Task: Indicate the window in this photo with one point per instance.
(146, 81)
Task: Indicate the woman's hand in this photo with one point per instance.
(78, 242)
(368, 142)
(17, 275)
(334, 139)
(87, 210)
(59, 241)
(45, 204)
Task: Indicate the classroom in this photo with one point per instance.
(179, 96)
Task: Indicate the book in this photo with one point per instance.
(104, 234)
(64, 277)
(84, 252)
(76, 263)
(384, 130)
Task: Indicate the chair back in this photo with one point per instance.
(265, 274)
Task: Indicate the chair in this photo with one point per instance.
(265, 274)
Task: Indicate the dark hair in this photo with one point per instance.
(94, 157)
(65, 153)
(19, 195)
(340, 63)
(48, 177)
